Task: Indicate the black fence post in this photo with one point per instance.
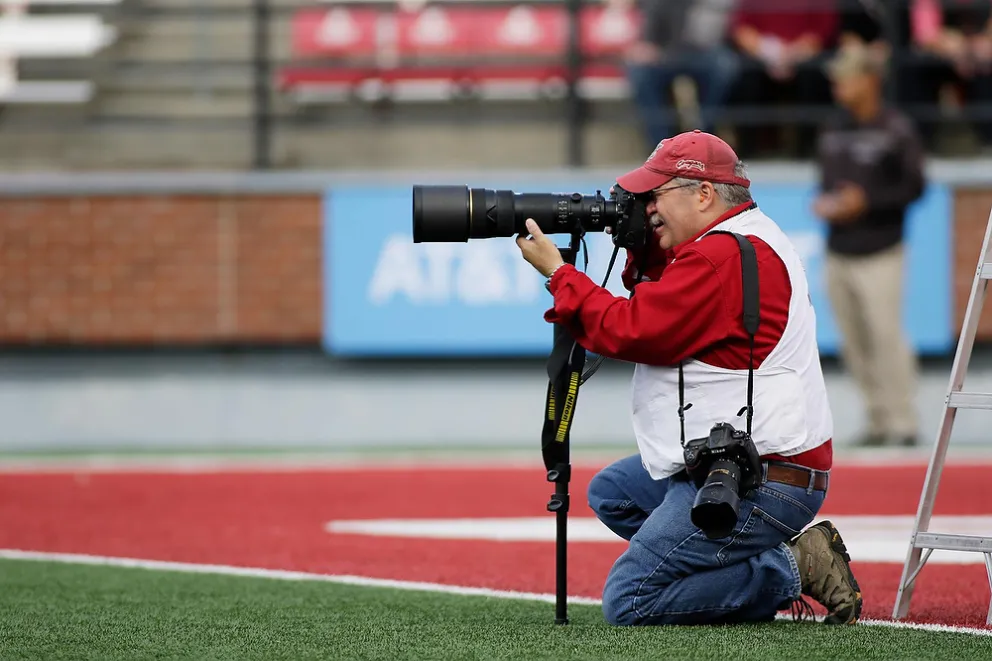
(899, 51)
(262, 106)
(575, 114)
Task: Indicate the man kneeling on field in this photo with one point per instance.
(697, 364)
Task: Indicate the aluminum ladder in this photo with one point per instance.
(922, 539)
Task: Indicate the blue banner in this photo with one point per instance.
(386, 296)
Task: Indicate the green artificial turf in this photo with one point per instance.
(63, 611)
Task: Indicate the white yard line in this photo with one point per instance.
(869, 538)
(251, 572)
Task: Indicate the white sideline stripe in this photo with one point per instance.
(363, 581)
(921, 626)
(283, 575)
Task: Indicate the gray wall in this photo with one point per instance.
(304, 400)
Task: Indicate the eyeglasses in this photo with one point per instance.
(659, 191)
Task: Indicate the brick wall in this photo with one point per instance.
(160, 269)
(971, 214)
(202, 269)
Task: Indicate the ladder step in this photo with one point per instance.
(948, 542)
(970, 400)
(985, 273)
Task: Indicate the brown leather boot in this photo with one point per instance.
(825, 572)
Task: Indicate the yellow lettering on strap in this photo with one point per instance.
(566, 414)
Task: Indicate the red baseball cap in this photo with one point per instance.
(693, 155)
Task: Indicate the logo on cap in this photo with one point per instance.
(689, 164)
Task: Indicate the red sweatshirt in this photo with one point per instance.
(789, 21)
(694, 311)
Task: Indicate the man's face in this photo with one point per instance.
(852, 89)
(674, 212)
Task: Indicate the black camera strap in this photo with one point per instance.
(565, 373)
(565, 366)
(752, 319)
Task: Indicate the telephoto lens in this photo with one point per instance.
(717, 504)
(459, 213)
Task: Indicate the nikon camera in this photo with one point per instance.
(725, 466)
(459, 213)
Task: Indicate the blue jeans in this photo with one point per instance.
(714, 71)
(671, 573)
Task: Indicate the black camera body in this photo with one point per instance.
(631, 229)
(459, 213)
(725, 466)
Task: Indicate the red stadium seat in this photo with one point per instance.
(442, 51)
(339, 31)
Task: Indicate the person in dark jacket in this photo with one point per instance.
(871, 163)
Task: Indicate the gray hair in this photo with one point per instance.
(731, 194)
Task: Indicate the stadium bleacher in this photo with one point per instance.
(137, 69)
(64, 31)
(373, 50)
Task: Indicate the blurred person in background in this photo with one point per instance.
(884, 29)
(782, 46)
(871, 170)
(951, 44)
(875, 24)
(683, 326)
(679, 38)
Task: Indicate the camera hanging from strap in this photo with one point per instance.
(752, 319)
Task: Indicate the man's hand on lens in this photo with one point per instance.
(539, 250)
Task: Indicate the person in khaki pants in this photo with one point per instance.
(871, 169)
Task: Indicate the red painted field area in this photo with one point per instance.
(277, 520)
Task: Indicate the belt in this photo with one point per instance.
(796, 476)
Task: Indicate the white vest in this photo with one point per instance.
(791, 410)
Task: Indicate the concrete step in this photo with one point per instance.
(174, 106)
(207, 5)
(178, 39)
(27, 118)
(20, 149)
(228, 145)
(127, 148)
(184, 47)
(176, 79)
